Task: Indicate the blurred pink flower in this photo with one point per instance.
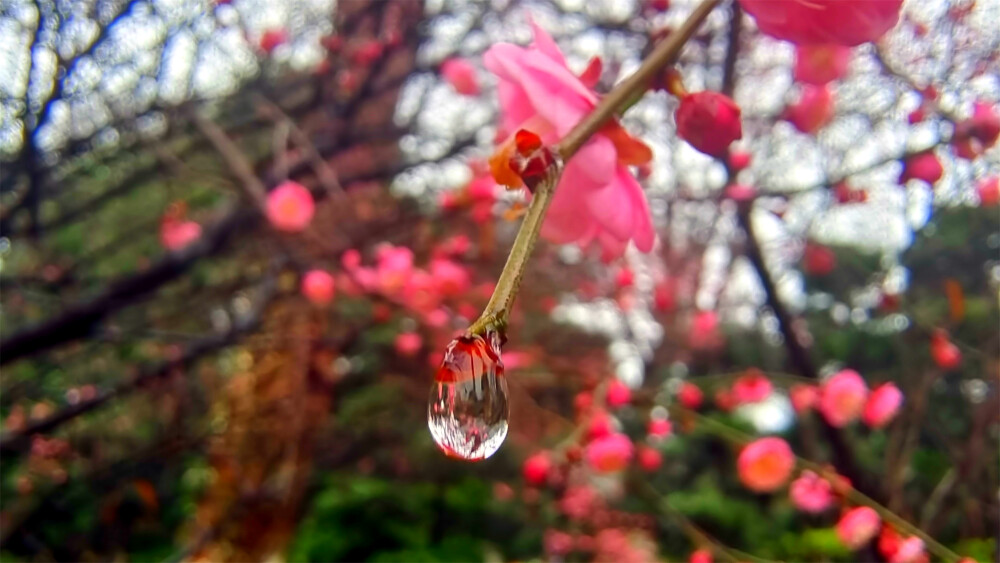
(752, 387)
(618, 394)
(557, 543)
(988, 190)
(709, 122)
(818, 260)
(741, 192)
(700, 556)
(924, 166)
(536, 469)
(740, 160)
(318, 287)
(650, 459)
(690, 395)
(290, 207)
(811, 493)
(858, 526)
(350, 259)
(819, 64)
(579, 501)
(624, 278)
(945, 354)
(176, 235)
(271, 39)
(765, 464)
(882, 406)
(842, 397)
(659, 428)
(461, 75)
(394, 267)
(803, 397)
(597, 201)
(813, 110)
(840, 22)
(704, 332)
(610, 453)
(451, 279)
(408, 343)
(980, 131)
(909, 550)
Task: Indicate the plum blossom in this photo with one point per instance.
(824, 21)
(290, 207)
(318, 287)
(690, 395)
(659, 428)
(536, 469)
(811, 493)
(700, 556)
(842, 397)
(924, 166)
(408, 343)
(704, 333)
(618, 394)
(988, 190)
(708, 121)
(177, 233)
(609, 454)
(819, 64)
(803, 397)
(764, 465)
(945, 354)
(813, 110)
(858, 526)
(650, 459)
(752, 387)
(883, 405)
(598, 201)
(461, 75)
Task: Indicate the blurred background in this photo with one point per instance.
(172, 389)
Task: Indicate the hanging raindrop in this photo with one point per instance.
(467, 410)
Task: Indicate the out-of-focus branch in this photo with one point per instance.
(13, 441)
(843, 456)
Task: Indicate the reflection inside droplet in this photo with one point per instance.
(468, 408)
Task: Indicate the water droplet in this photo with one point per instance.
(468, 407)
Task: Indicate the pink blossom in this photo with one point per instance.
(883, 405)
(945, 354)
(451, 279)
(924, 166)
(271, 39)
(618, 394)
(659, 428)
(578, 501)
(700, 556)
(811, 493)
(350, 259)
(709, 121)
(813, 110)
(909, 550)
(818, 260)
(457, 245)
(421, 291)
(610, 453)
(597, 201)
(408, 343)
(690, 395)
(752, 387)
(663, 296)
(803, 397)
(394, 267)
(842, 397)
(980, 131)
(461, 75)
(557, 542)
(988, 190)
(650, 459)
(176, 235)
(820, 64)
(536, 469)
(824, 21)
(318, 287)
(741, 192)
(367, 52)
(858, 526)
(765, 464)
(290, 207)
(740, 160)
(704, 332)
(624, 278)
(599, 426)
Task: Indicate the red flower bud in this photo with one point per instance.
(709, 121)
